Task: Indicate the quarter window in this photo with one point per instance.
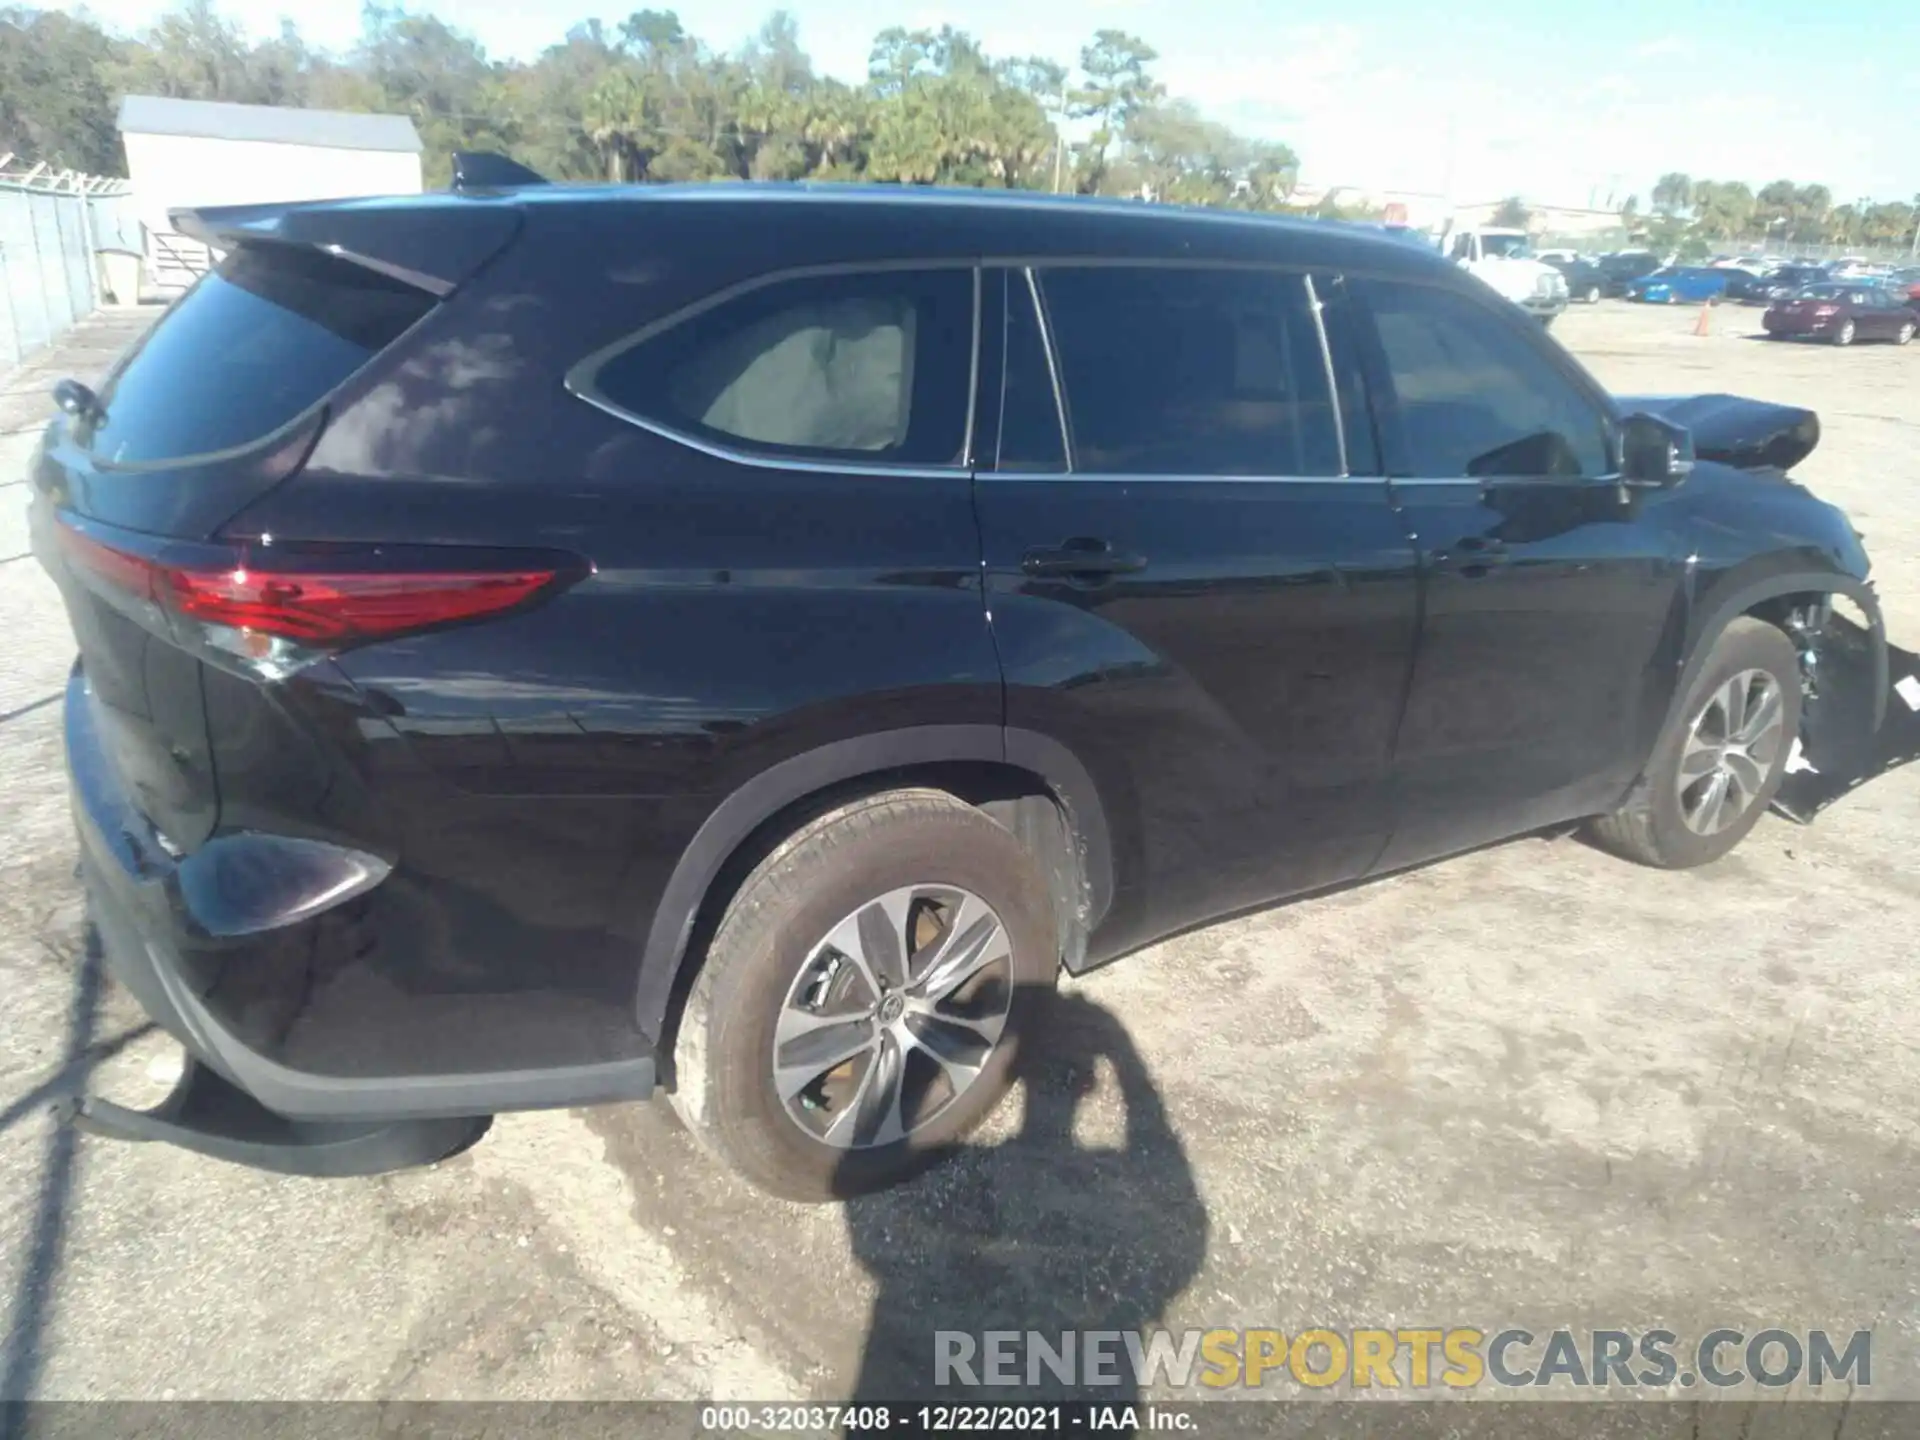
(1471, 397)
(262, 338)
(1191, 372)
(871, 367)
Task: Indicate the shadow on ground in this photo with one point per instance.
(1086, 1219)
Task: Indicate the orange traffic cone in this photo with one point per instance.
(1704, 325)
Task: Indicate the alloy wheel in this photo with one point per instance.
(1730, 750)
(1905, 335)
(893, 1016)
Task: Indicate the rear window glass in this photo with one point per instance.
(869, 367)
(1173, 371)
(261, 338)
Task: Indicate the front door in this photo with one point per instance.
(1549, 592)
(1184, 586)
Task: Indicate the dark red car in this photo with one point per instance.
(1842, 314)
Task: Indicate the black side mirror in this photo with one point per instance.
(77, 400)
(1654, 452)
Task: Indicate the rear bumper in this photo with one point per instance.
(160, 919)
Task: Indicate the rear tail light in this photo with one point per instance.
(275, 609)
(1826, 309)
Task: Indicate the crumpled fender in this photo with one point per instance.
(1730, 430)
(1851, 729)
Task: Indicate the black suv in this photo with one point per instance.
(540, 645)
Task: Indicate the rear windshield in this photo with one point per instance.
(260, 339)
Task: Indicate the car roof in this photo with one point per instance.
(795, 224)
(957, 223)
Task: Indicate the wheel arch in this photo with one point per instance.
(1028, 782)
(1771, 598)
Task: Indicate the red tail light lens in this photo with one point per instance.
(280, 611)
(1826, 309)
(339, 609)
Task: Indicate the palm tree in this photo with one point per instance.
(1672, 192)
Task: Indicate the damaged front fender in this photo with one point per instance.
(1860, 717)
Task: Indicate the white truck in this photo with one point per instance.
(1504, 260)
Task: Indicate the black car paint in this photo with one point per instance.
(1586, 279)
(1307, 683)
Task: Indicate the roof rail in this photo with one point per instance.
(484, 170)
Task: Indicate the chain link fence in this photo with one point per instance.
(49, 270)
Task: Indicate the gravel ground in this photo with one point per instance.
(1532, 1086)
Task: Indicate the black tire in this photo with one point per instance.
(1649, 826)
(1844, 335)
(1593, 294)
(1904, 335)
(825, 871)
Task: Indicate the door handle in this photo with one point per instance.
(1081, 558)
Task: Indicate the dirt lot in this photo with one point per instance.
(1534, 1086)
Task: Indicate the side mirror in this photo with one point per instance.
(77, 400)
(1654, 453)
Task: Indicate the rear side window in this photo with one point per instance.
(264, 336)
(870, 367)
(1191, 372)
(1473, 398)
(1031, 437)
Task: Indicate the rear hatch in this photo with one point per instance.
(221, 401)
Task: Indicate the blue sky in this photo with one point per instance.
(1560, 100)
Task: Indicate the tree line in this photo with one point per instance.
(1717, 211)
(645, 100)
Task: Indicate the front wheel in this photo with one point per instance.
(1721, 759)
(860, 1004)
(1593, 295)
(1905, 334)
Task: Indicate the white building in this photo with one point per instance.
(190, 153)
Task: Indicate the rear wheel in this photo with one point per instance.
(1721, 759)
(861, 1001)
(1593, 294)
(1844, 335)
(1905, 334)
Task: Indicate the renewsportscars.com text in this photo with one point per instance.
(1457, 1358)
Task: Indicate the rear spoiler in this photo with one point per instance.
(432, 242)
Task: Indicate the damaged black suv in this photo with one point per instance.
(540, 645)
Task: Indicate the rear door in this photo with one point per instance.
(1190, 584)
(218, 403)
(1548, 590)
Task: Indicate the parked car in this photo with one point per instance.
(515, 675)
(1906, 282)
(1623, 267)
(1786, 280)
(1503, 259)
(1676, 283)
(1586, 280)
(1744, 285)
(1842, 314)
